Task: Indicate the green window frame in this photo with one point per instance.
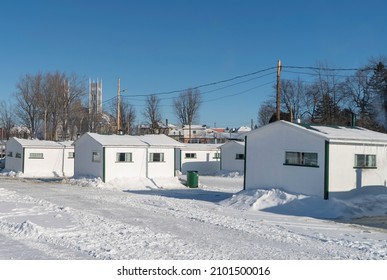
(365, 161)
(306, 159)
(190, 155)
(240, 156)
(124, 157)
(216, 156)
(96, 156)
(156, 157)
(71, 155)
(36, 156)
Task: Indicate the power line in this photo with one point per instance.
(324, 68)
(203, 85)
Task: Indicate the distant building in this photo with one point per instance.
(233, 156)
(95, 102)
(203, 158)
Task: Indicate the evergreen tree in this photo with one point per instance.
(378, 82)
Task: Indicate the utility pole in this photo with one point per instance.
(278, 110)
(118, 107)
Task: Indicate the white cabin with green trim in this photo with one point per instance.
(124, 156)
(315, 160)
(39, 158)
(203, 158)
(232, 156)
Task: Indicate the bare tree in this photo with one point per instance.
(27, 106)
(6, 119)
(361, 98)
(152, 113)
(187, 107)
(265, 112)
(378, 82)
(128, 117)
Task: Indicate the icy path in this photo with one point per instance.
(49, 220)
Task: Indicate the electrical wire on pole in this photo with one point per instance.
(278, 105)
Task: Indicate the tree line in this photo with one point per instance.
(51, 106)
(331, 99)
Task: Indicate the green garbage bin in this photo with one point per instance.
(192, 179)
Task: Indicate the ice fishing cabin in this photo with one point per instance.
(39, 158)
(124, 156)
(315, 160)
(203, 158)
(233, 156)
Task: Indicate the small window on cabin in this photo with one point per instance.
(36, 156)
(190, 155)
(156, 157)
(18, 155)
(71, 155)
(365, 161)
(240, 156)
(217, 156)
(10, 154)
(301, 159)
(124, 157)
(96, 157)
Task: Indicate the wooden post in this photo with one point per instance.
(118, 107)
(278, 110)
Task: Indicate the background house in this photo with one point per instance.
(232, 156)
(315, 160)
(204, 158)
(38, 158)
(125, 156)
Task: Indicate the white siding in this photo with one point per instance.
(51, 165)
(205, 162)
(68, 162)
(163, 169)
(83, 165)
(13, 163)
(134, 169)
(228, 156)
(265, 159)
(342, 174)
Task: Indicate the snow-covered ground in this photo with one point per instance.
(162, 219)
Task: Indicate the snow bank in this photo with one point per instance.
(280, 202)
(11, 173)
(128, 183)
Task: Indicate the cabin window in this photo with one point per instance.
(365, 161)
(71, 155)
(10, 154)
(36, 156)
(240, 156)
(190, 155)
(217, 156)
(156, 157)
(124, 157)
(96, 157)
(301, 159)
(18, 155)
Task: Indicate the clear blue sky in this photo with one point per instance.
(161, 46)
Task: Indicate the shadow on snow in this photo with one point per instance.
(192, 194)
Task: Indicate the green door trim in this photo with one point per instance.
(23, 159)
(326, 171)
(244, 165)
(103, 165)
